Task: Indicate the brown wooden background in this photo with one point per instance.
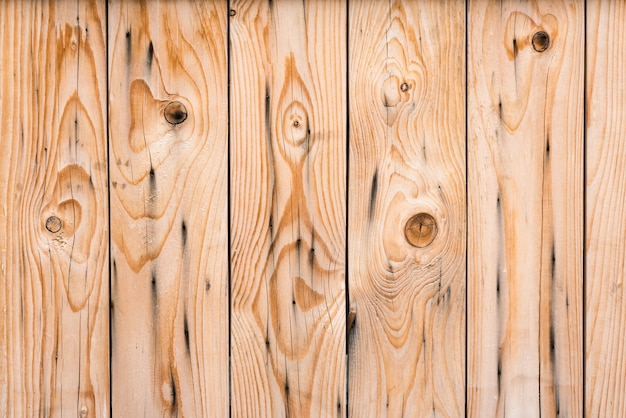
(312, 208)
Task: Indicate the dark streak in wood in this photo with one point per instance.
(174, 396)
(312, 251)
(298, 247)
(129, 47)
(153, 290)
(373, 193)
(500, 217)
(499, 372)
(268, 121)
(498, 285)
(183, 229)
(186, 332)
(150, 55)
(555, 376)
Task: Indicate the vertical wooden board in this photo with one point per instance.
(54, 351)
(605, 210)
(288, 157)
(525, 193)
(168, 180)
(407, 209)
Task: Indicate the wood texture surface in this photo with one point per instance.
(425, 158)
(288, 207)
(168, 179)
(54, 351)
(525, 194)
(605, 222)
(407, 157)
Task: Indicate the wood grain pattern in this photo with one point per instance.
(525, 189)
(168, 175)
(288, 157)
(406, 273)
(605, 156)
(54, 354)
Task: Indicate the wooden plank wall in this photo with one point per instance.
(168, 120)
(406, 234)
(54, 249)
(288, 207)
(525, 206)
(312, 208)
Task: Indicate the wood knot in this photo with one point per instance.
(175, 113)
(420, 230)
(404, 87)
(541, 41)
(53, 224)
(296, 124)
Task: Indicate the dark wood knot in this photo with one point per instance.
(53, 224)
(420, 230)
(175, 113)
(541, 41)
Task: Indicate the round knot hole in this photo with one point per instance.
(541, 41)
(175, 113)
(420, 230)
(53, 224)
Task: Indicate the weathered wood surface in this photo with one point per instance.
(54, 351)
(407, 157)
(288, 207)
(525, 193)
(605, 156)
(169, 230)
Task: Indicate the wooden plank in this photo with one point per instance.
(288, 158)
(525, 194)
(168, 152)
(407, 209)
(54, 354)
(605, 210)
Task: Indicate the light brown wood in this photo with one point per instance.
(407, 209)
(525, 194)
(54, 349)
(605, 156)
(168, 178)
(288, 207)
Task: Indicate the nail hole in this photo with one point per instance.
(541, 41)
(175, 113)
(53, 224)
(420, 230)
